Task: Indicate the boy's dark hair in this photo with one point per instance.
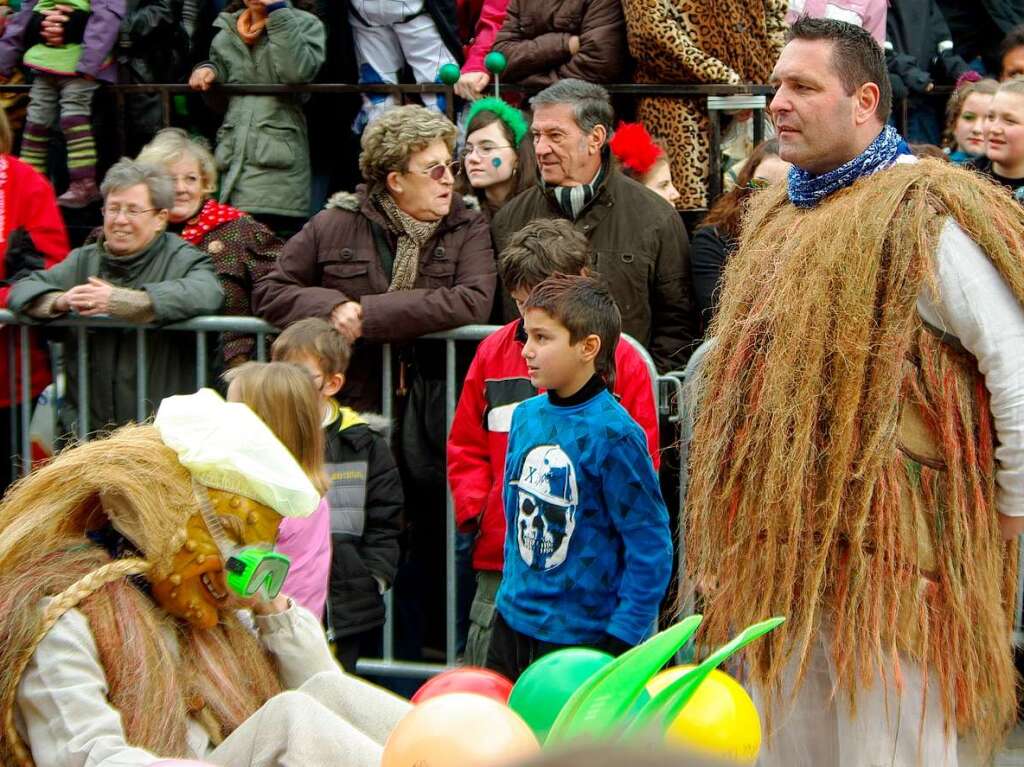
(856, 56)
(584, 305)
(316, 338)
(540, 249)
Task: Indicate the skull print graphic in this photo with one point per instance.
(546, 510)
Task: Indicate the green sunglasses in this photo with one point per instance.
(249, 570)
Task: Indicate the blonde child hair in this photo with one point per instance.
(285, 398)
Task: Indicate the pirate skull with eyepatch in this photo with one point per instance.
(251, 482)
(546, 512)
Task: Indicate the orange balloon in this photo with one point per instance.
(459, 729)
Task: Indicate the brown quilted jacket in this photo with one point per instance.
(535, 40)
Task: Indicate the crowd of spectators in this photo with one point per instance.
(238, 221)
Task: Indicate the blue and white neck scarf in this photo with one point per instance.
(806, 190)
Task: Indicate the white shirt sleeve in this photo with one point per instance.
(296, 640)
(977, 307)
(62, 706)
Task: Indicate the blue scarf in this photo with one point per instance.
(806, 190)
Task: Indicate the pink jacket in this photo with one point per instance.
(869, 14)
(307, 542)
(479, 22)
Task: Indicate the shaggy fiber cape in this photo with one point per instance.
(804, 500)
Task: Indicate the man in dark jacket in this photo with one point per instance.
(919, 54)
(137, 273)
(978, 27)
(639, 242)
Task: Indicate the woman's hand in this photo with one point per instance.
(90, 300)
(202, 78)
(347, 319)
(471, 85)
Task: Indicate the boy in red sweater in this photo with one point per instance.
(496, 383)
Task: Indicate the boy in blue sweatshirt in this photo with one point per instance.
(587, 549)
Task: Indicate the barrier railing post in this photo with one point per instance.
(26, 402)
(387, 410)
(200, 359)
(12, 388)
(83, 383)
(261, 347)
(141, 382)
(449, 547)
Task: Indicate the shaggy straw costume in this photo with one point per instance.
(842, 464)
(44, 551)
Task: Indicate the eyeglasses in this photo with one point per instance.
(131, 213)
(436, 172)
(484, 150)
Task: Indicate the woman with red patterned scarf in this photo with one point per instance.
(242, 249)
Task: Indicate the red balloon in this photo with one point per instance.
(481, 681)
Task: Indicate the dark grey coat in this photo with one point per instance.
(181, 282)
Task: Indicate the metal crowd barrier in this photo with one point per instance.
(201, 327)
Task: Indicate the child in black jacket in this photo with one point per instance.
(364, 494)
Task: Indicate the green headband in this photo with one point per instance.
(514, 120)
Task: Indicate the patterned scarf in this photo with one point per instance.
(574, 199)
(209, 217)
(806, 190)
(412, 235)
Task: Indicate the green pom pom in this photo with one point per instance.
(495, 62)
(449, 74)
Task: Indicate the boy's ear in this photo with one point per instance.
(590, 347)
(333, 384)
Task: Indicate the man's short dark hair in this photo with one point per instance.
(540, 249)
(856, 56)
(1014, 39)
(584, 305)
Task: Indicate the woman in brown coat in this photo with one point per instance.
(400, 258)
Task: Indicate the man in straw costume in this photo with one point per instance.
(120, 642)
(857, 463)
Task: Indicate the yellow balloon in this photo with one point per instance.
(459, 729)
(719, 720)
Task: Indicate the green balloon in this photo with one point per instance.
(495, 62)
(549, 682)
(449, 74)
(599, 708)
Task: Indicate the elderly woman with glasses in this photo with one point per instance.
(399, 258)
(136, 272)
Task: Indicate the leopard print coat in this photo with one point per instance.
(702, 41)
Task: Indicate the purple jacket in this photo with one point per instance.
(101, 34)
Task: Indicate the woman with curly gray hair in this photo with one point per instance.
(399, 258)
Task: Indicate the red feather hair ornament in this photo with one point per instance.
(634, 148)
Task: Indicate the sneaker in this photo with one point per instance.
(80, 193)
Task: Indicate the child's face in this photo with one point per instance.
(1004, 131)
(326, 385)
(552, 360)
(969, 131)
